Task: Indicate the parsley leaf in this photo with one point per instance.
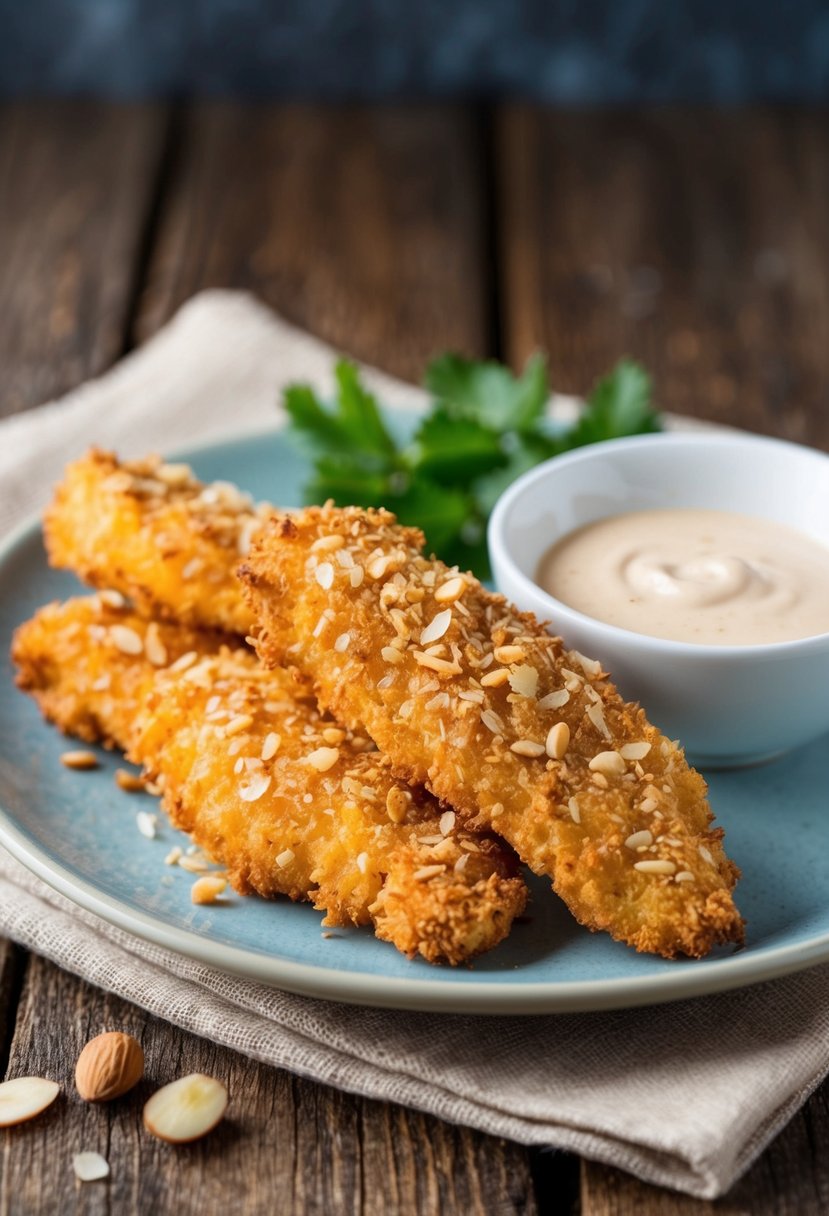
(619, 405)
(488, 392)
(485, 427)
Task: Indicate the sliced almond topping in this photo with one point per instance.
(327, 544)
(447, 822)
(428, 872)
(185, 1109)
(255, 788)
(378, 566)
(450, 591)
(437, 627)
(79, 760)
(596, 715)
(323, 758)
(112, 599)
(206, 890)
(397, 804)
(89, 1167)
(634, 751)
(524, 680)
(655, 867)
(492, 722)
(610, 764)
(125, 639)
(184, 662)
(639, 840)
(553, 700)
(494, 679)
(270, 745)
(441, 666)
(509, 654)
(324, 574)
(236, 725)
(154, 648)
(25, 1097)
(526, 747)
(558, 740)
(590, 667)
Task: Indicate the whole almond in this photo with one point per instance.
(109, 1066)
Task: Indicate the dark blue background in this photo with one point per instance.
(570, 51)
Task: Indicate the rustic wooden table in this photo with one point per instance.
(696, 241)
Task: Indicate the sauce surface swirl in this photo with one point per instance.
(710, 577)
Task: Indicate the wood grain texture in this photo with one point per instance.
(286, 1145)
(790, 1179)
(76, 180)
(696, 241)
(361, 225)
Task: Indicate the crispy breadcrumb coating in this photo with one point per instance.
(288, 801)
(476, 700)
(90, 663)
(153, 532)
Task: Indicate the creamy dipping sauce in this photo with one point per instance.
(710, 577)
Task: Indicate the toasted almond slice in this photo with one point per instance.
(89, 1167)
(24, 1098)
(206, 890)
(130, 783)
(186, 1109)
(79, 760)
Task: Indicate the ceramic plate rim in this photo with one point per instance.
(703, 978)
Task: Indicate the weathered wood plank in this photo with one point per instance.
(76, 182)
(695, 241)
(286, 1145)
(362, 225)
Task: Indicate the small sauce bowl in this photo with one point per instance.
(728, 705)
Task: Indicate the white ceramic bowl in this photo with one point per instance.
(728, 705)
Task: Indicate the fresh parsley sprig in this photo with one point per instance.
(484, 428)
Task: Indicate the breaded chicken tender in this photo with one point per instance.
(289, 802)
(293, 805)
(153, 532)
(90, 663)
(476, 700)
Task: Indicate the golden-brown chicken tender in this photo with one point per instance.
(153, 532)
(294, 805)
(477, 701)
(90, 663)
(288, 801)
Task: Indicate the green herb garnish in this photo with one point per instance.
(484, 428)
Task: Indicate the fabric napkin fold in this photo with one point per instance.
(685, 1095)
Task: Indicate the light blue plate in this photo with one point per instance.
(78, 832)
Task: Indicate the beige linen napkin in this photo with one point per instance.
(685, 1095)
